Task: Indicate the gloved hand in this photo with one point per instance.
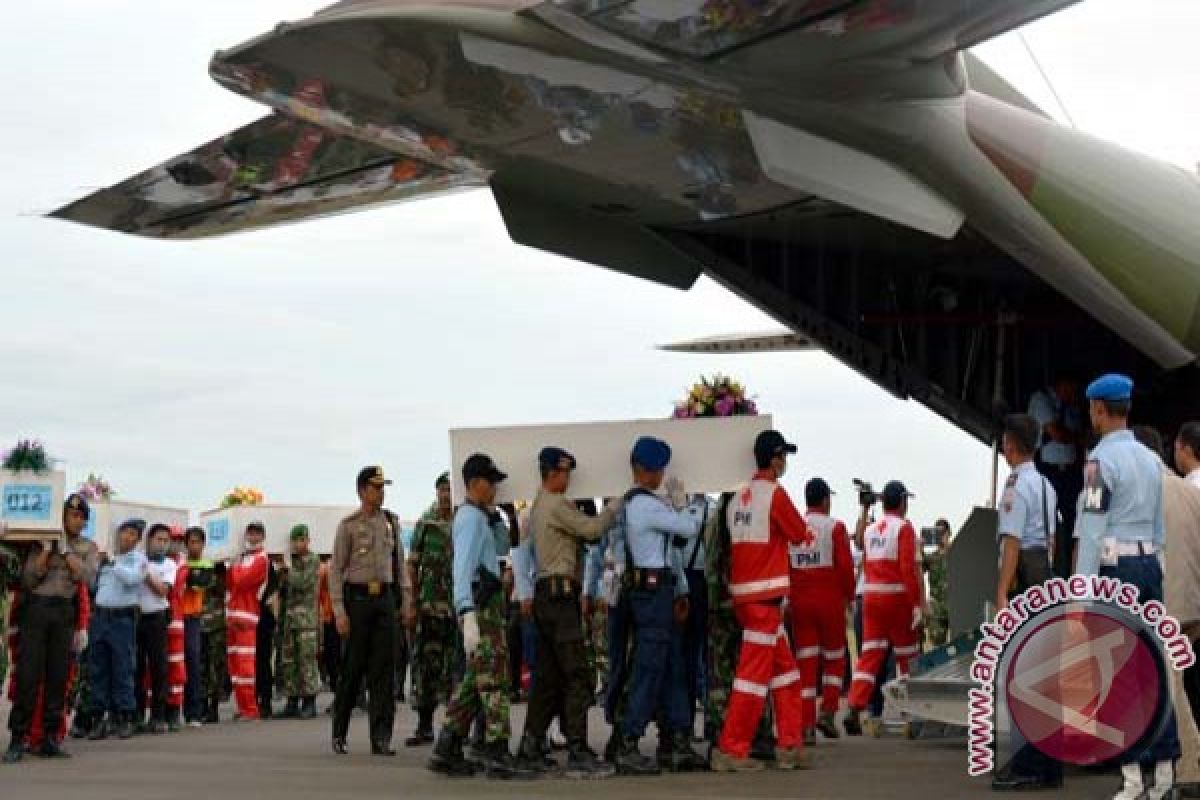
(917, 616)
(80, 642)
(470, 633)
(675, 493)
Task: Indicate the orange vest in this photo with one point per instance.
(759, 560)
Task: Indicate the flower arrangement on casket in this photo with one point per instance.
(29, 455)
(95, 489)
(242, 496)
(719, 396)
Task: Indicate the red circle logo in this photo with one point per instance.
(1084, 687)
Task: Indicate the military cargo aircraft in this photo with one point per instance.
(845, 165)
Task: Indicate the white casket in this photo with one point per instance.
(106, 516)
(709, 454)
(224, 527)
(31, 504)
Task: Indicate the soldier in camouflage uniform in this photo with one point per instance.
(725, 639)
(10, 571)
(937, 627)
(212, 628)
(429, 562)
(298, 662)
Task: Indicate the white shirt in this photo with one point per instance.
(1193, 477)
(149, 601)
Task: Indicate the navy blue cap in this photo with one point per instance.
(650, 453)
(894, 492)
(1111, 387)
(769, 444)
(480, 465)
(817, 491)
(76, 502)
(556, 458)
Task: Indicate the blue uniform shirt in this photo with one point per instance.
(119, 580)
(525, 569)
(1029, 503)
(477, 543)
(650, 524)
(1121, 498)
(594, 565)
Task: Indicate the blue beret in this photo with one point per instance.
(650, 453)
(1111, 387)
(556, 458)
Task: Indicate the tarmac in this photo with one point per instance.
(292, 760)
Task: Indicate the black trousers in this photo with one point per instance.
(152, 661)
(47, 628)
(402, 657)
(1067, 483)
(695, 633)
(1034, 570)
(516, 658)
(1191, 683)
(370, 652)
(331, 654)
(264, 657)
(564, 681)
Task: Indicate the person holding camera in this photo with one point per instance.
(892, 598)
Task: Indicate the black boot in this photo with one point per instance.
(308, 707)
(99, 729)
(448, 756)
(500, 764)
(264, 708)
(80, 725)
(424, 732)
(15, 751)
(613, 747)
(630, 761)
(583, 764)
(211, 714)
(52, 748)
(173, 723)
(531, 755)
(124, 725)
(292, 709)
(680, 756)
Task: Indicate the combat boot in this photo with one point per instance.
(52, 748)
(448, 756)
(873, 727)
(291, 710)
(15, 751)
(80, 725)
(173, 723)
(500, 764)
(212, 715)
(683, 757)
(582, 763)
(810, 737)
(530, 754)
(99, 728)
(630, 761)
(614, 745)
(793, 758)
(264, 708)
(720, 761)
(124, 725)
(308, 708)
(424, 732)
(827, 726)
(852, 723)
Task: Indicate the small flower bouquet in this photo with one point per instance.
(719, 396)
(242, 496)
(95, 489)
(28, 456)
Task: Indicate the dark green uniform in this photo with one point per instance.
(298, 662)
(10, 571)
(212, 631)
(938, 625)
(435, 640)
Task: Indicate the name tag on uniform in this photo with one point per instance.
(1108, 552)
(374, 588)
(652, 580)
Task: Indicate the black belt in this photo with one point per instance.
(124, 611)
(558, 586)
(652, 579)
(366, 591)
(49, 600)
(1035, 549)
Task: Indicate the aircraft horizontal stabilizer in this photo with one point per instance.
(771, 342)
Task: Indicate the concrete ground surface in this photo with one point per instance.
(292, 760)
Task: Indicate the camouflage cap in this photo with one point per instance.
(298, 532)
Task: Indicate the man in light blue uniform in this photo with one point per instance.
(1120, 535)
(620, 622)
(652, 581)
(480, 537)
(1028, 511)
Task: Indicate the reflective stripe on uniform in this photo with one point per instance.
(757, 637)
(246, 615)
(746, 687)
(875, 644)
(808, 652)
(754, 587)
(240, 681)
(907, 651)
(833, 680)
(808, 694)
(884, 588)
(831, 654)
(786, 679)
(175, 658)
(240, 650)
(864, 676)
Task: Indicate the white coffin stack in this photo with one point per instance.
(225, 526)
(106, 516)
(31, 504)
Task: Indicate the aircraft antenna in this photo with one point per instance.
(1046, 78)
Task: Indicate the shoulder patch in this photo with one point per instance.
(1096, 495)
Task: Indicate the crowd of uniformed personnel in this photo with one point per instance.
(666, 601)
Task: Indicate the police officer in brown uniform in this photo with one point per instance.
(564, 681)
(366, 585)
(51, 581)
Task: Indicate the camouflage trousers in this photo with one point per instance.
(215, 667)
(79, 697)
(937, 627)
(597, 637)
(299, 676)
(484, 686)
(3, 644)
(434, 647)
(724, 647)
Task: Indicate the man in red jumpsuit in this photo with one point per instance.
(822, 587)
(176, 668)
(891, 599)
(762, 523)
(244, 584)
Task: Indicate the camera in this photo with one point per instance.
(867, 496)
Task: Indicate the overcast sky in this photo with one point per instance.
(286, 359)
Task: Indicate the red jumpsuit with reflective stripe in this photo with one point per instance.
(891, 592)
(762, 522)
(176, 668)
(244, 585)
(822, 586)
